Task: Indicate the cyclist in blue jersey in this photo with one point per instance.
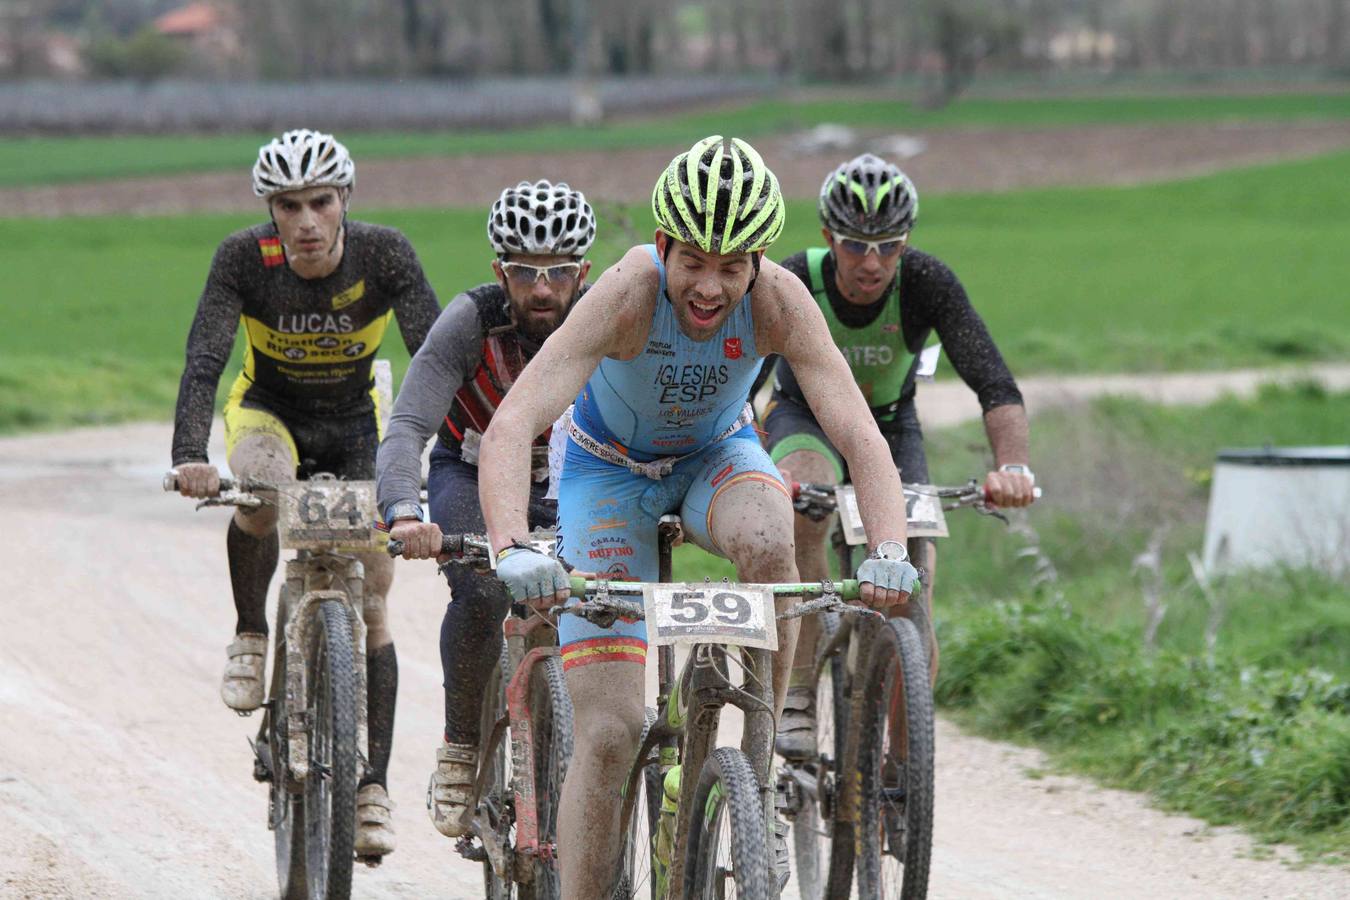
(659, 356)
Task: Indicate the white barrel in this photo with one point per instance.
(1280, 506)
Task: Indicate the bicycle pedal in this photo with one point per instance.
(466, 848)
(262, 769)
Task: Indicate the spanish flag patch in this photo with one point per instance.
(272, 253)
(604, 649)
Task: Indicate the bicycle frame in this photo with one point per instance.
(529, 641)
(688, 712)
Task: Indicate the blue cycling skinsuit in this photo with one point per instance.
(680, 401)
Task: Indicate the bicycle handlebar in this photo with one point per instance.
(818, 500)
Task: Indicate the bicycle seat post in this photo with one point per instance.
(667, 533)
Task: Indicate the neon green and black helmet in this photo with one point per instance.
(719, 196)
(868, 197)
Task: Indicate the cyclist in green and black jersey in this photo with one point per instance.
(882, 299)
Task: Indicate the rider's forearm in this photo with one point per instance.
(1009, 435)
(877, 483)
(439, 369)
(504, 479)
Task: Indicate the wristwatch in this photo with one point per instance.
(891, 550)
(1019, 469)
(404, 509)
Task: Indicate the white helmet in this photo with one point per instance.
(541, 218)
(302, 159)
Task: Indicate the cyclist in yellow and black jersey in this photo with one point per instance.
(315, 294)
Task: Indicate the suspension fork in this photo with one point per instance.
(521, 633)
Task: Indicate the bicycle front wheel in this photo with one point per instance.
(895, 819)
(551, 719)
(498, 762)
(330, 786)
(727, 853)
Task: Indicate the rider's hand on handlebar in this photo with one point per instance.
(886, 582)
(198, 480)
(1009, 489)
(533, 578)
(421, 540)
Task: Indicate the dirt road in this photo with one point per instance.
(952, 160)
(123, 776)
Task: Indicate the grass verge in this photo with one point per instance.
(1256, 733)
(51, 160)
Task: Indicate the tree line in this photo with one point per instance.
(944, 41)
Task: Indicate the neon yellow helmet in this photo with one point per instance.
(719, 196)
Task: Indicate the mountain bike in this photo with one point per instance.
(711, 839)
(862, 805)
(524, 748)
(311, 748)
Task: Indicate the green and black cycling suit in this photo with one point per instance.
(310, 346)
(881, 342)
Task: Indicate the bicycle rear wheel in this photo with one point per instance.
(636, 879)
(727, 853)
(551, 720)
(330, 786)
(287, 807)
(812, 826)
(895, 824)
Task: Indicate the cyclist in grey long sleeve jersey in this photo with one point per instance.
(315, 294)
(475, 351)
(882, 299)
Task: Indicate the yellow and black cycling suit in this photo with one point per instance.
(311, 344)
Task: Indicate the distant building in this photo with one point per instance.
(35, 53)
(209, 32)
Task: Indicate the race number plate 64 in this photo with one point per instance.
(740, 614)
(318, 514)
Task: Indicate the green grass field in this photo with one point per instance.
(33, 161)
(1241, 268)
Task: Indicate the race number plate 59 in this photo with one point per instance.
(318, 514)
(740, 614)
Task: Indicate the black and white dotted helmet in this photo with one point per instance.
(541, 218)
(302, 159)
(868, 197)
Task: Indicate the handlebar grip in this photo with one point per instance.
(170, 483)
(451, 545)
(849, 588)
(578, 586)
(1035, 495)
